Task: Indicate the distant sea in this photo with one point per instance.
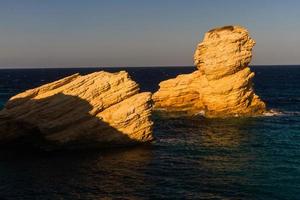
(192, 158)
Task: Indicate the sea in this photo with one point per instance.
(191, 158)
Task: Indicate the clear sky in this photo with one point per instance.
(72, 33)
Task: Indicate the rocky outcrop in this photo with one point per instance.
(96, 110)
(222, 85)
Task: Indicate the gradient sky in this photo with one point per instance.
(73, 33)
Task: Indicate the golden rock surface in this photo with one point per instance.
(96, 110)
(222, 85)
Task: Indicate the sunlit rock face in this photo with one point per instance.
(96, 110)
(222, 85)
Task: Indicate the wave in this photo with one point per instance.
(273, 112)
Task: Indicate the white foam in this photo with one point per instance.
(272, 112)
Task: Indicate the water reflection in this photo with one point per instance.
(214, 133)
(211, 155)
(225, 133)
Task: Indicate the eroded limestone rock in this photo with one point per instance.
(96, 110)
(222, 85)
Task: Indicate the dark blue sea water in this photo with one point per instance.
(192, 158)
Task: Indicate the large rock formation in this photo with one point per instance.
(96, 110)
(222, 85)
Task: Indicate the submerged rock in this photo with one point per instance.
(222, 86)
(96, 110)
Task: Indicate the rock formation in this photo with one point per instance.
(96, 110)
(222, 85)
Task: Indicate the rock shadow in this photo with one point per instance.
(57, 122)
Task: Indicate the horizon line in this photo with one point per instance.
(147, 66)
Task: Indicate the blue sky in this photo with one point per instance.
(72, 33)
